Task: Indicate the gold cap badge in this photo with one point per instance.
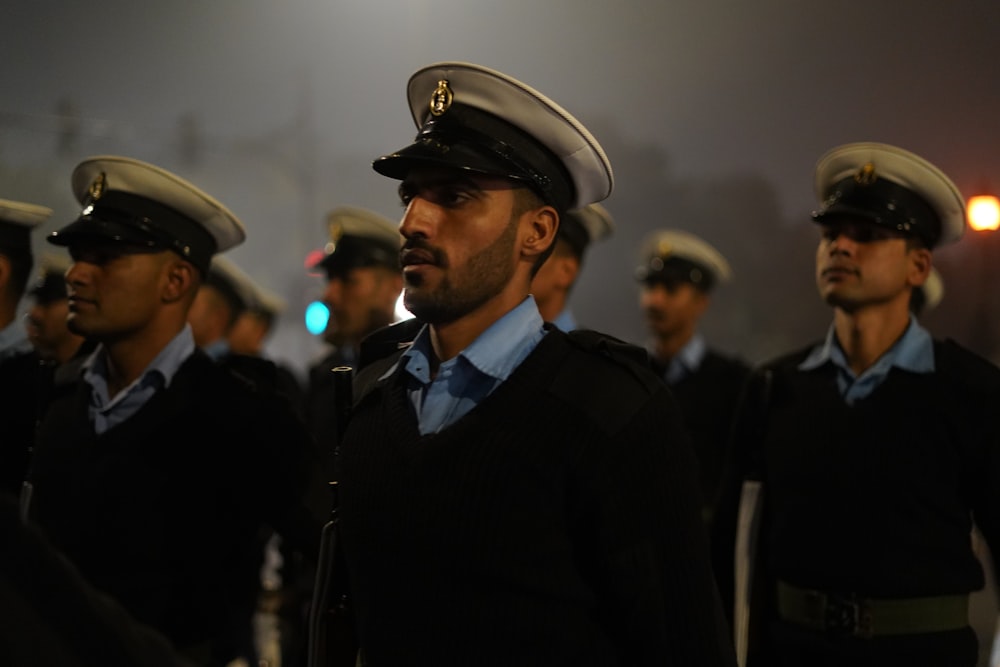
(866, 175)
(441, 98)
(97, 188)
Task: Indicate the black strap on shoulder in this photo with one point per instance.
(629, 356)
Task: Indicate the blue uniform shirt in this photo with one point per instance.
(105, 411)
(913, 352)
(687, 360)
(14, 339)
(565, 321)
(217, 350)
(462, 382)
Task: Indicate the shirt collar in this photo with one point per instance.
(693, 352)
(913, 352)
(496, 352)
(217, 350)
(14, 339)
(687, 360)
(165, 364)
(565, 321)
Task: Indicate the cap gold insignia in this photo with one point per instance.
(866, 175)
(664, 248)
(97, 188)
(336, 231)
(441, 98)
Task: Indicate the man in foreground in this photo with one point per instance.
(512, 494)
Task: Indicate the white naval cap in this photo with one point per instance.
(128, 201)
(932, 290)
(891, 187)
(250, 294)
(674, 255)
(583, 226)
(49, 284)
(357, 237)
(475, 118)
(235, 285)
(267, 302)
(17, 219)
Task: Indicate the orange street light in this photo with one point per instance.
(984, 213)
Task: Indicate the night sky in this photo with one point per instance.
(713, 115)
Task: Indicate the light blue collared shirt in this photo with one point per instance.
(217, 350)
(913, 352)
(106, 411)
(565, 321)
(14, 339)
(687, 361)
(464, 381)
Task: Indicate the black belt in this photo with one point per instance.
(852, 616)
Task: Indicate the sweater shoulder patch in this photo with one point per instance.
(963, 368)
(607, 379)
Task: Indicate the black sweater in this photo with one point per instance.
(555, 524)
(163, 510)
(878, 497)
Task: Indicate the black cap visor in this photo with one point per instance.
(354, 252)
(137, 221)
(882, 203)
(673, 271)
(49, 288)
(91, 230)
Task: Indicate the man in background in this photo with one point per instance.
(678, 273)
(877, 447)
(19, 375)
(360, 264)
(554, 282)
(158, 474)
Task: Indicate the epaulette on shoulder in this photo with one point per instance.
(383, 342)
(609, 380)
(259, 374)
(964, 367)
(789, 359)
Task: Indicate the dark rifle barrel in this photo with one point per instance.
(332, 639)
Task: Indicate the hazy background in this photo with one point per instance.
(713, 115)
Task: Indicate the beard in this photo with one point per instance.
(467, 288)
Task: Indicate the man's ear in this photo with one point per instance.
(4, 272)
(567, 268)
(181, 280)
(544, 223)
(920, 266)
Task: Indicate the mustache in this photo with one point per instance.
(839, 267)
(418, 248)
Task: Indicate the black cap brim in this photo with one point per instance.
(843, 211)
(92, 230)
(433, 153)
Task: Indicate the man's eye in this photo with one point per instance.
(96, 257)
(452, 197)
